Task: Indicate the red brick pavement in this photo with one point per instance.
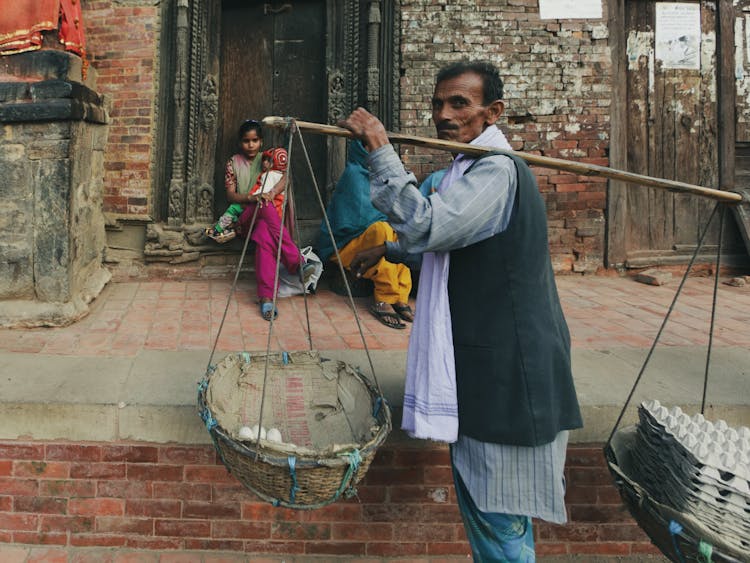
(602, 312)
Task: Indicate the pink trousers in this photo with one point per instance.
(265, 235)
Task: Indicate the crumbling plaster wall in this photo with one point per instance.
(557, 91)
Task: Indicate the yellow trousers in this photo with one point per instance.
(392, 281)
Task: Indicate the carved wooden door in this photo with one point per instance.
(671, 122)
(273, 63)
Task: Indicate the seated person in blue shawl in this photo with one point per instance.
(430, 184)
(357, 225)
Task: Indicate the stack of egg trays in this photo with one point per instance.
(696, 467)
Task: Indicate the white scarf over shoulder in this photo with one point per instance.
(430, 400)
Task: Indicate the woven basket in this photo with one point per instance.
(332, 418)
(679, 536)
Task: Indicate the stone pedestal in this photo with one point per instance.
(52, 236)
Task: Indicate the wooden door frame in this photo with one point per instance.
(617, 201)
(362, 72)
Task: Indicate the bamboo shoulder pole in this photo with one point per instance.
(580, 168)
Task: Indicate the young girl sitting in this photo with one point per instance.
(240, 175)
(273, 166)
(251, 194)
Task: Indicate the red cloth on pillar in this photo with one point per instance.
(71, 26)
(23, 21)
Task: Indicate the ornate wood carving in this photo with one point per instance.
(337, 98)
(209, 102)
(391, 30)
(373, 52)
(194, 112)
(177, 182)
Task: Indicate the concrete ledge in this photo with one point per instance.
(152, 396)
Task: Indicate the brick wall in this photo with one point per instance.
(150, 496)
(557, 93)
(122, 41)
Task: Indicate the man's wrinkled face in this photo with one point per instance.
(458, 108)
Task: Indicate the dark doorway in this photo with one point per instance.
(272, 62)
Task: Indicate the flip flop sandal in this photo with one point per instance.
(391, 320)
(267, 309)
(405, 312)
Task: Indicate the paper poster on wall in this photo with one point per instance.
(570, 9)
(678, 35)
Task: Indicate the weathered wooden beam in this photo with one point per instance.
(615, 252)
(727, 90)
(580, 168)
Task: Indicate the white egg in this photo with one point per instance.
(255, 430)
(274, 435)
(246, 433)
(262, 433)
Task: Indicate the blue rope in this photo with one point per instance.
(204, 412)
(705, 551)
(354, 460)
(210, 421)
(293, 491)
(378, 404)
(285, 358)
(675, 529)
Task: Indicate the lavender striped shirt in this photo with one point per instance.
(514, 479)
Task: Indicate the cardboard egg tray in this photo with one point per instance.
(696, 467)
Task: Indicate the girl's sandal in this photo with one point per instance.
(267, 310)
(224, 236)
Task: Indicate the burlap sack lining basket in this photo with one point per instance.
(654, 518)
(295, 475)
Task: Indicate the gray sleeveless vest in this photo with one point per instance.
(511, 341)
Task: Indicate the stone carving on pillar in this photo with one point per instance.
(205, 202)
